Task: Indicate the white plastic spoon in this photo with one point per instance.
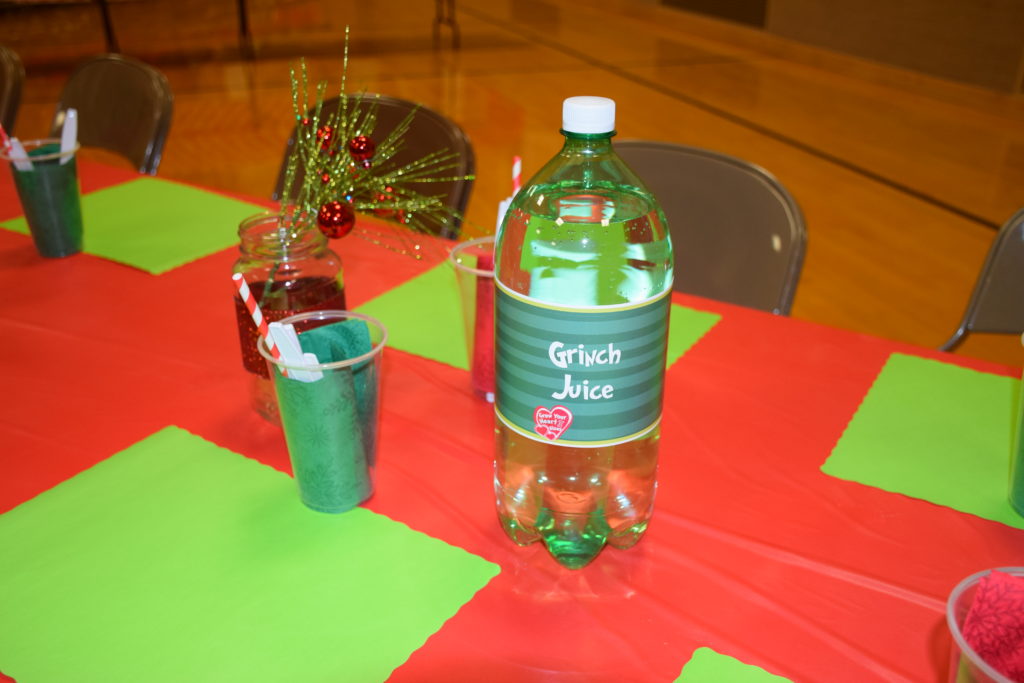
(68, 134)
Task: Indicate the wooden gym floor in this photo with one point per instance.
(903, 178)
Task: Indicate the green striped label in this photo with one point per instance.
(580, 377)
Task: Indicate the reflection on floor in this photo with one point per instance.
(902, 177)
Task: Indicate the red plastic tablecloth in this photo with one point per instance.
(753, 551)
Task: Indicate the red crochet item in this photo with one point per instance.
(994, 626)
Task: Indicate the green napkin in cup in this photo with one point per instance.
(330, 423)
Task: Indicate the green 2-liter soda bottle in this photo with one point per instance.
(583, 276)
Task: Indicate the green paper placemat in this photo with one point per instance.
(177, 560)
(424, 316)
(707, 666)
(156, 225)
(934, 431)
(685, 328)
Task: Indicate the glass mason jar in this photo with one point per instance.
(289, 271)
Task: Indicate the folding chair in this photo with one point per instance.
(124, 106)
(997, 302)
(12, 75)
(737, 233)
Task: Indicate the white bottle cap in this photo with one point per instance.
(588, 115)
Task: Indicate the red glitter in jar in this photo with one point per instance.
(304, 294)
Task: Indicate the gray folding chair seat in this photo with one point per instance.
(738, 234)
(428, 132)
(997, 302)
(124, 106)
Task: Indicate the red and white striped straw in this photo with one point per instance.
(517, 175)
(257, 317)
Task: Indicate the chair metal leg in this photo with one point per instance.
(444, 14)
(108, 26)
(244, 34)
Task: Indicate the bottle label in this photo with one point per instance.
(579, 376)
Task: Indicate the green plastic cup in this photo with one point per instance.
(49, 196)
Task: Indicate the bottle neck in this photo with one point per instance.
(588, 144)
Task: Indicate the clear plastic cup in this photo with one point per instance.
(330, 411)
(47, 183)
(965, 665)
(474, 271)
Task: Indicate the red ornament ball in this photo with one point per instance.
(336, 219)
(362, 149)
(325, 177)
(324, 135)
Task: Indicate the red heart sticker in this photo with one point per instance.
(551, 424)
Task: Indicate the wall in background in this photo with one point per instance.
(980, 42)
